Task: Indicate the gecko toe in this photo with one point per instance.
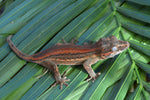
(97, 74)
(61, 86)
(93, 78)
(61, 82)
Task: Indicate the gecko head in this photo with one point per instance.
(111, 46)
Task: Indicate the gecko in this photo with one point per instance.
(72, 54)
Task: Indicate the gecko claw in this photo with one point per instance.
(61, 82)
(93, 78)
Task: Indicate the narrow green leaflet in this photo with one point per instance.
(144, 66)
(77, 93)
(138, 29)
(146, 94)
(18, 11)
(141, 2)
(118, 91)
(3, 3)
(134, 14)
(140, 47)
(76, 27)
(10, 5)
(2, 40)
(146, 86)
(97, 29)
(25, 74)
(16, 24)
(18, 93)
(136, 95)
(126, 82)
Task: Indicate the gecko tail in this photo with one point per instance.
(17, 51)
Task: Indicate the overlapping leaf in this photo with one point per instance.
(143, 48)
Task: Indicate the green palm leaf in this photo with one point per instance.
(40, 24)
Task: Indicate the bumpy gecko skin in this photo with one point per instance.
(71, 54)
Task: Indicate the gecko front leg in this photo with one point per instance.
(87, 66)
(53, 67)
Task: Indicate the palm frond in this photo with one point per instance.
(40, 24)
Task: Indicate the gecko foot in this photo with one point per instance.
(61, 82)
(93, 78)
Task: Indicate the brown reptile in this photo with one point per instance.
(71, 54)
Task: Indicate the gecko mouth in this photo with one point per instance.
(126, 46)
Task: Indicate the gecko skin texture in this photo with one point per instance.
(71, 54)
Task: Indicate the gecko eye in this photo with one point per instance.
(114, 48)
